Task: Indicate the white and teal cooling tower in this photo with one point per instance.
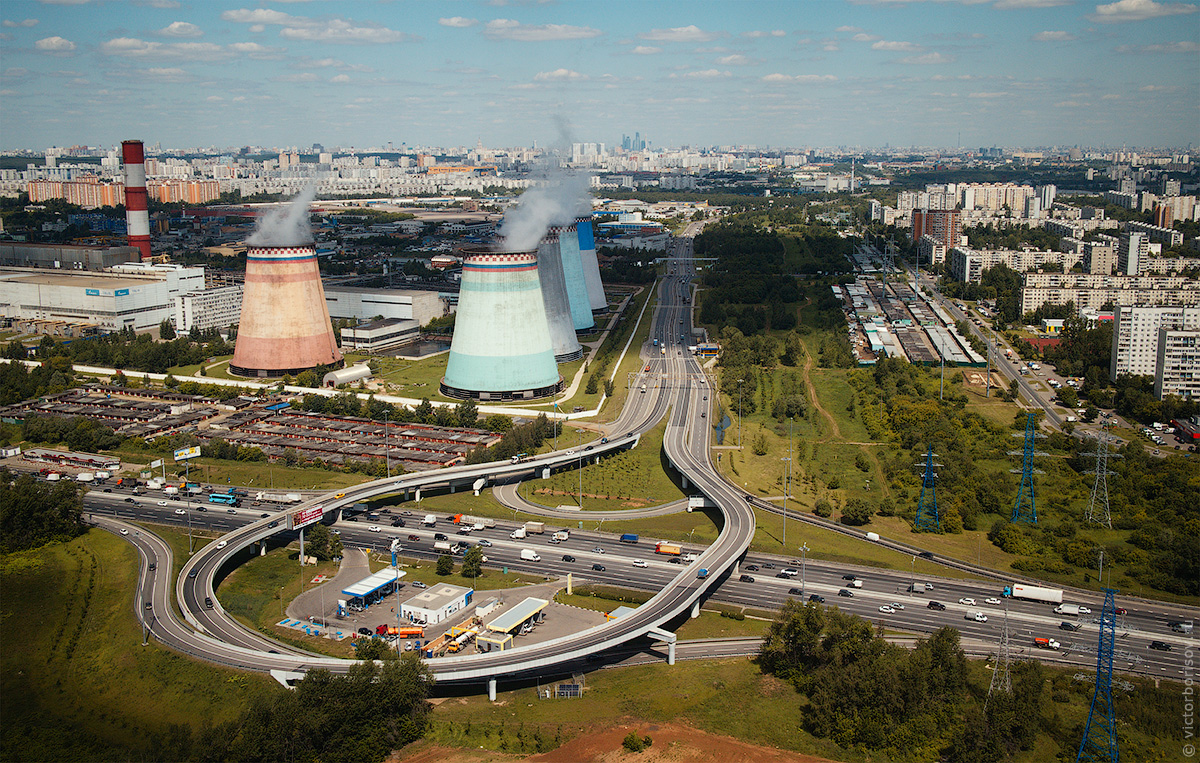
(591, 267)
(501, 348)
(572, 265)
(554, 294)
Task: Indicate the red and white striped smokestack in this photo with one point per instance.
(137, 216)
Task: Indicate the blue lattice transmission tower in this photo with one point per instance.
(928, 518)
(1025, 509)
(1100, 735)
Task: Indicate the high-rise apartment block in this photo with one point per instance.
(945, 225)
(1135, 341)
(1177, 363)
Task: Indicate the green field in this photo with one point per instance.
(74, 678)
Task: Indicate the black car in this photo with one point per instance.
(817, 598)
(272, 524)
(365, 632)
(208, 602)
(1064, 625)
(264, 515)
(440, 536)
(1161, 646)
(129, 500)
(598, 567)
(848, 577)
(747, 578)
(153, 566)
(926, 554)
(464, 531)
(752, 567)
(398, 523)
(108, 489)
(568, 558)
(936, 605)
(847, 593)
(149, 605)
(192, 574)
(782, 575)
(795, 592)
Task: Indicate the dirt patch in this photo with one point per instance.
(673, 742)
(432, 753)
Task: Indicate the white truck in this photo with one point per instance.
(85, 477)
(1067, 609)
(535, 527)
(443, 546)
(279, 497)
(430, 520)
(154, 484)
(562, 535)
(1034, 593)
(477, 523)
(102, 475)
(529, 555)
(517, 534)
(171, 490)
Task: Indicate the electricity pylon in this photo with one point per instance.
(1100, 735)
(927, 511)
(1025, 509)
(1098, 510)
(1001, 677)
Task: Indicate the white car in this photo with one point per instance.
(162, 503)
(180, 511)
(1085, 611)
(967, 600)
(980, 617)
(419, 584)
(896, 605)
(124, 531)
(992, 600)
(485, 542)
(223, 544)
(597, 550)
(639, 563)
(373, 528)
(887, 610)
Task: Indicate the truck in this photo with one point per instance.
(443, 546)
(1033, 593)
(535, 527)
(1046, 643)
(430, 520)
(171, 490)
(629, 538)
(102, 475)
(477, 523)
(53, 477)
(85, 477)
(1067, 609)
(1182, 627)
(279, 497)
(517, 458)
(561, 535)
(154, 484)
(529, 555)
(670, 549)
(517, 534)
(643, 388)
(916, 588)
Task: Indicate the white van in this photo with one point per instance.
(529, 555)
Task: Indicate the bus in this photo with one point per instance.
(229, 499)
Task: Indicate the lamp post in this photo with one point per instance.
(739, 413)
(803, 567)
(580, 480)
(786, 488)
(912, 582)
(387, 454)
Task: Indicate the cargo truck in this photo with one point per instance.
(670, 549)
(535, 527)
(477, 523)
(1067, 609)
(443, 546)
(1034, 593)
(101, 476)
(171, 490)
(430, 520)
(85, 477)
(561, 535)
(629, 538)
(1046, 643)
(529, 555)
(517, 534)
(916, 588)
(278, 497)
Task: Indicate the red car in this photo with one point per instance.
(414, 537)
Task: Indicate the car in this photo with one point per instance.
(108, 489)
(192, 574)
(440, 536)
(414, 537)
(1161, 646)
(795, 592)
(1121, 611)
(130, 500)
(485, 542)
(768, 566)
(674, 560)
(223, 544)
(1085, 611)
(124, 531)
(849, 577)
(152, 567)
(746, 578)
(816, 597)
(398, 522)
(264, 515)
(554, 541)
(180, 511)
(149, 605)
(208, 602)
(589, 447)
(783, 575)
(1065, 626)
(752, 567)
(162, 503)
(598, 567)
(885, 609)
(276, 524)
(706, 397)
(978, 617)
(339, 495)
(202, 508)
(926, 554)
(464, 531)
(639, 563)
(450, 518)
(789, 571)
(568, 558)
(419, 584)
(597, 550)
(992, 600)
(967, 600)
(936, 605)
(373, 528)
(335, 532)
(845, 592)
(896, 605)
(230, 511)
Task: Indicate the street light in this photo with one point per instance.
(739, 413)
(786, 489)
(387, 455)
(803, 567)
(912, 581)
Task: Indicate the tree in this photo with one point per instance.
(445, 564)
(467, 413)
(858, 512)
(370, 648)
(34, 513)
(472, 564)
(166, 330)
(321, 543)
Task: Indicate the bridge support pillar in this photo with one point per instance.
(695, 609)
(671, 653)
(492, 689)
(670, 638)
(417, 495)
(685, 482)
(451, 487)
(546, 473)
(262, 548)
(737, 567)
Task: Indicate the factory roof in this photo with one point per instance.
(517, 615)
(437, 596)
(78, 279)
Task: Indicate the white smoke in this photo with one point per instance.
(556, 202)
(286, 226)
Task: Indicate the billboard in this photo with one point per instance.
(184, 454)
(305, 517)
(156, 463)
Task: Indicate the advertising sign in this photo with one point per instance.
(92, 292)
(305, 517)
(184, 454)
(156, 463)
(121, 293)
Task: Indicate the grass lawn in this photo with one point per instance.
(405, 377)
(713, 625)
(256, 475)
(81, 686)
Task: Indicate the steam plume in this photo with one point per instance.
(286, 226)
(555, 203)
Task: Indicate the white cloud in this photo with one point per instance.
(646, 50)
(761, 33)
(335, 30)
(166, 74)
(735, 59)
(341, 78)
(1182, 46)
(54, 44)
(999, 94)
(15, 24)
(1005, 5)
(813, 78)
(896, 46)
(181, 29)
(1110, 97)
(1138, 10)
(558, 75)
(1054, 37)
(459, 22)
(256, 51)
(928, 59)
(706, 74)
(690, 33)
(848, 29)
(864, 37)
(507, 29)
(132, 47)
(162, 4)
(1070, 104)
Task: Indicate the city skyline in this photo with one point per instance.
(861, 72)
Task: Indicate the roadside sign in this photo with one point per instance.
(156, 463)
(184, 454)
(305, 517)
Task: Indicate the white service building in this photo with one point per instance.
(436, 603)
(217, 308)
(365, 304)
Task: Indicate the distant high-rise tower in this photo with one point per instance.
(137, 215)
(285, 326)
(501, 348)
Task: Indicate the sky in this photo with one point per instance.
(798, 73)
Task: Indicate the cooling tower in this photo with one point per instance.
(285, 326)
(572, 264)
(501, 348)
(137, 218)
(554, 296)
(591, 267)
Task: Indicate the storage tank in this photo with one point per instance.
(501, 348)
(554, 296)
(285, 327)
(572, 265)
(591, 266)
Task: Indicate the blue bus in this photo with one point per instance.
(229, 499)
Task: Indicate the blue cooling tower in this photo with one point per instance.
(572, 265)
(501, 347)
(554, 294)
(591, 267)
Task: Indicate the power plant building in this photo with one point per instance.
(15, 254)
(572, 265)
(217, 308)
(403, 304)
(591, 266)
(284, 327)
(554, 296)
(501, 348)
